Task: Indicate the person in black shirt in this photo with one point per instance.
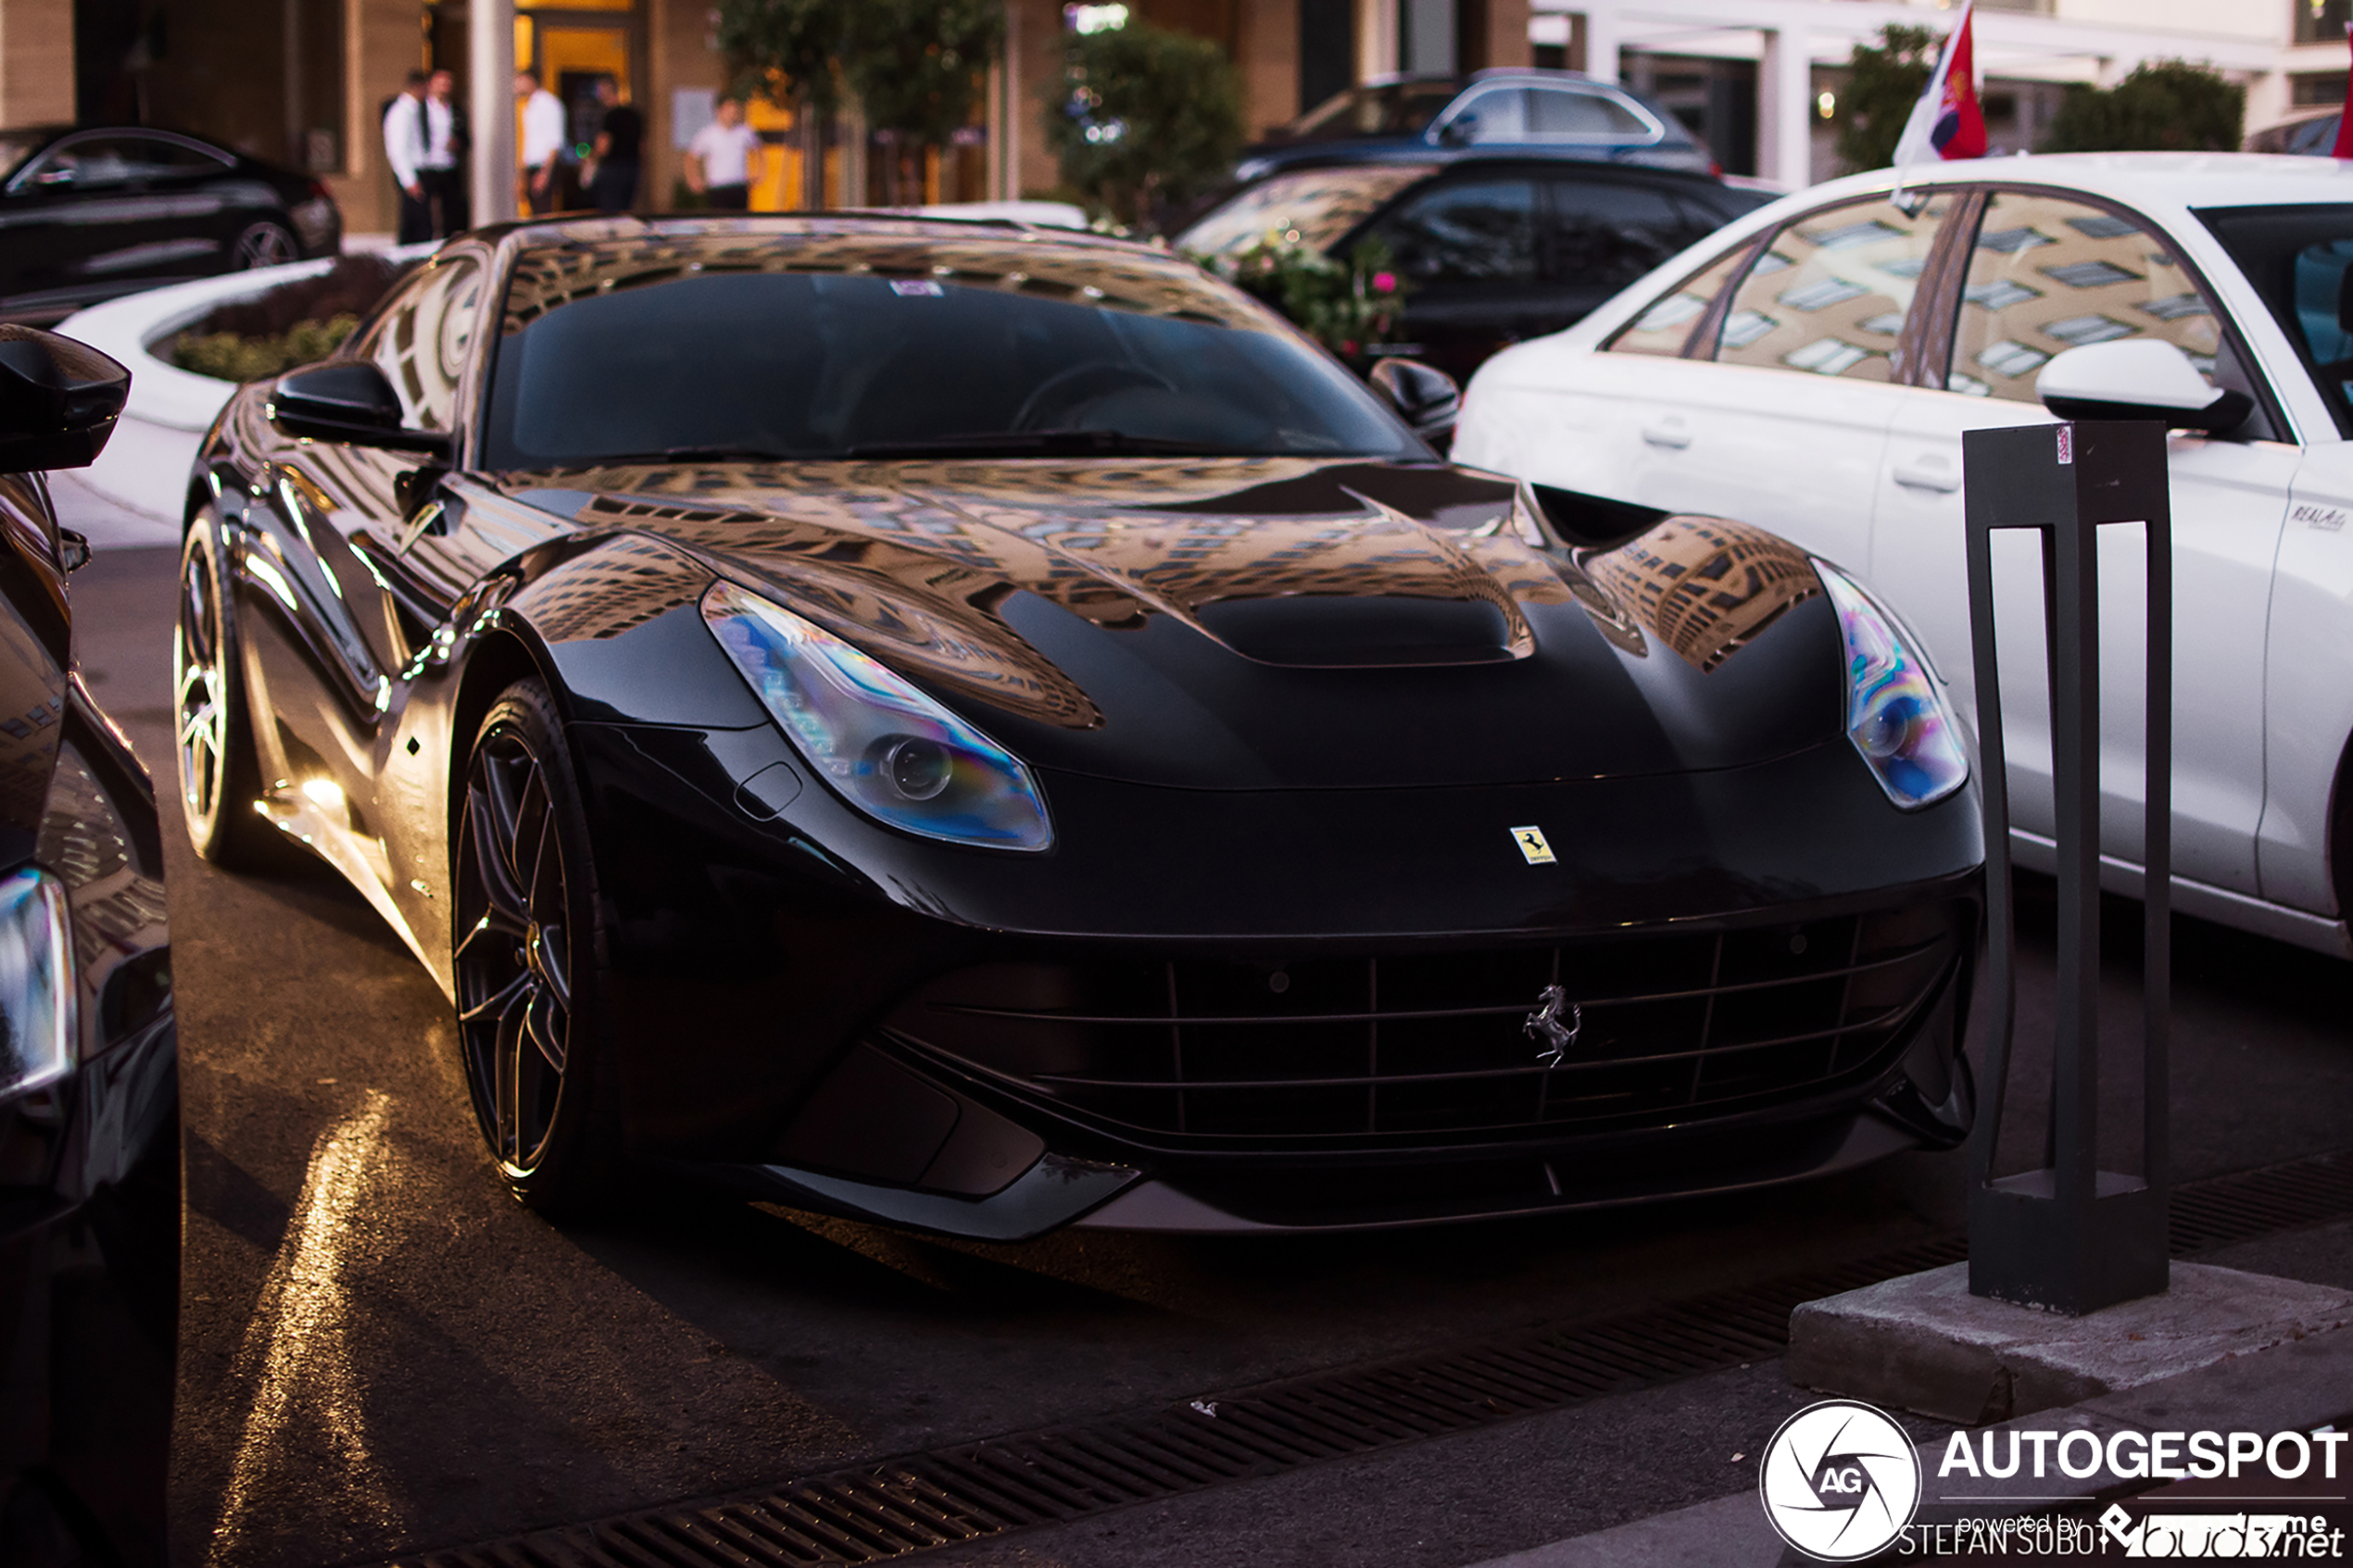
(620, 137)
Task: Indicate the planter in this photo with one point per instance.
(146, 461)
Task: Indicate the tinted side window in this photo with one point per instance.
(2049, 274)
(1830, 293)
(1465, 232)
(1667, 325)
(1557, 112)
(1499, 113)
(422, 340)
(1610, 233)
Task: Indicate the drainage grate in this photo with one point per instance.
(896, 1507)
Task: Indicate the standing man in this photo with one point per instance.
(405, 151)
(724, 158)
(543, 142)
(445, 147)
(619, 138)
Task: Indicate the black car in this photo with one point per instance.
(89, 1066)
(1555, 113)
(1492, 248)
(1022, 737)
(91, 214)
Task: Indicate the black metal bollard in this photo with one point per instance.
(2071, 1235)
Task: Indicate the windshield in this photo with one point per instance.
(2300, 260)
(678, 364)
(1314, 207)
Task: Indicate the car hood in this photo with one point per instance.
(1275, 622)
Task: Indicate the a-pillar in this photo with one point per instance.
(1784, 108)
(36, 63)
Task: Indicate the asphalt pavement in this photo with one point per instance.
(382, 1352)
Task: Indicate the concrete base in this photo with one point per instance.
(1923, 1343)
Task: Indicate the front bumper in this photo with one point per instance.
(1766, 967)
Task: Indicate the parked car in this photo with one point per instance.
(2309, 134)
(1492, 247)
(89, 1078)
(1814, 368)
(97, 213)
(1024, 739)
(1558, 113)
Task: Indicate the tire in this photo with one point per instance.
(528, 962)
(212, 723)
(263, 244)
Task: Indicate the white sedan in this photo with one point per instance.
(1811, 368)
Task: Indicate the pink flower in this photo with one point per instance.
(1384, 282)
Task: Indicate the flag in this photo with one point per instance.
(2343, 147)
(1946, 123)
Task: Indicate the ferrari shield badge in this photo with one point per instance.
(1531, 843)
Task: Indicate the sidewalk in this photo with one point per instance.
(2300, 1386)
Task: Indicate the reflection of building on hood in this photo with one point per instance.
(1705, 586)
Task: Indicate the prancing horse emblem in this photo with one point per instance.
(1544, 1025)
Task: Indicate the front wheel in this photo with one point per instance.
(528, 961)
(220, 773)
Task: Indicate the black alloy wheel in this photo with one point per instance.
(264, 244)
(220, 775)
(526, 956)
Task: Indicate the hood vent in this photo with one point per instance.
(1314, 631)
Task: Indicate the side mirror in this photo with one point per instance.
(1424, 394)
(2138, 379)
(59, 400)
(348, 400)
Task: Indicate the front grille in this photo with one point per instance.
(1418, 1047)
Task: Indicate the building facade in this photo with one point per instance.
(306, 81)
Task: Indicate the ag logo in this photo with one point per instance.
(1840, 1481)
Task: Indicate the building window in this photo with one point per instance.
(2322, 21)
(2313, 91)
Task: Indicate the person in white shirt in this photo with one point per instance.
(724, 158)
(442, 172)
(542, 141)
(405, 149)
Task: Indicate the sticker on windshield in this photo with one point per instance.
(918, 288)
(2066, 445)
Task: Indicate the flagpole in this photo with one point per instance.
(1916, 144)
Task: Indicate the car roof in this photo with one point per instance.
(577, 228)
(1401, 152)
(2143, 180)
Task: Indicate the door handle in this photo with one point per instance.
(1928, 473)
(1667, 433)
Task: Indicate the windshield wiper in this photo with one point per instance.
(1047, 444)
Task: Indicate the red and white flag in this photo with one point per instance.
(1946, 123)
(2343, 147)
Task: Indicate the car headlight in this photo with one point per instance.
(891, 751)
(1894, 714)
(36, 983)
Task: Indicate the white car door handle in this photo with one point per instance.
(1928, 473)
(1667, 433)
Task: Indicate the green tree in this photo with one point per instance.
(1148, 118)
(1884, 81)
(796, 41)
(919, 67)
(2166, 106)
